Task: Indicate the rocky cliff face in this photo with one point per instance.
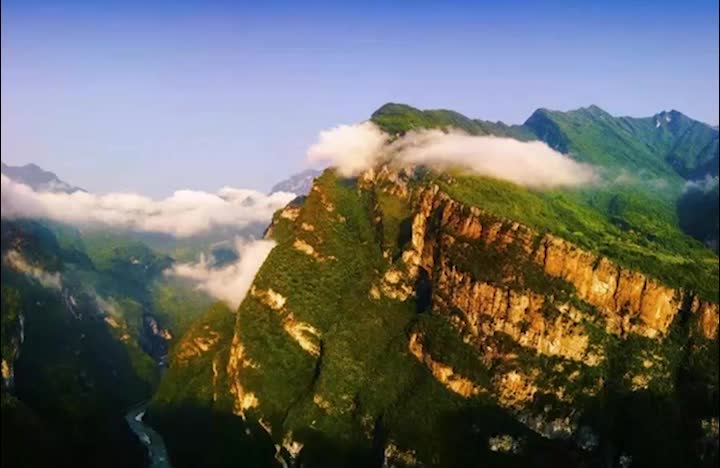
(629, 301)
(560, 320)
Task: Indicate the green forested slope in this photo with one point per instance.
(76, 344)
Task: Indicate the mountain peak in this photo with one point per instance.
(38, 178)
(541, 111)
(392, 108)
(673, 120)
(595, 108)
(299, 184)
(591, 109)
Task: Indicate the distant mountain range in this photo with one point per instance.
(668, 149)
(38, 178)
(665, 144)
(299, 184)
(42, 180)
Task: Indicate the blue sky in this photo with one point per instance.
(156, 96)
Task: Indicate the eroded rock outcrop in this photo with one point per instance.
(707, 321)
(521, 315)
(631, 302)
(442, 372)
(195, 346)
(304, 334)
(243, 399)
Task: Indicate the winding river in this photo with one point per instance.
(147, 435)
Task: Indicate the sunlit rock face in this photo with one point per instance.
(630, 301)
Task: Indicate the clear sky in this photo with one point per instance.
(151, 96)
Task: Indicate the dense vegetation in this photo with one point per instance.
(67, 396)
(192, 395)
(77, 340)
(363, 390)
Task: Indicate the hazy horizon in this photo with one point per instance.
(151, 99)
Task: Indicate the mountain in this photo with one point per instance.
(87, 322)
(661, 145)
(38, 178)
(668, 144)
(409, 317)
(299, 184)
(400, 118)
(665, 150)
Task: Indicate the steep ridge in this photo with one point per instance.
(38, 178)
(394, 324)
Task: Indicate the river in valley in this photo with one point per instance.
(149, 437)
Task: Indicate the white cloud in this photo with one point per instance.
(625, 177)
(355, 148)
(704, 185)
(352, 148)
(229, 283)
(107, 306)
(185, 213)
(46, 279)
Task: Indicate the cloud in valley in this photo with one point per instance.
(231, 282)
(184, 213)
(48, 280)
(708, 184)
(355, 148)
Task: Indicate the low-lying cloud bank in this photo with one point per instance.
(355, 148)
(231, 282)
(48, 280)
(185, 213)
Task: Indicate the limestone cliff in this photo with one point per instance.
(629, 301)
